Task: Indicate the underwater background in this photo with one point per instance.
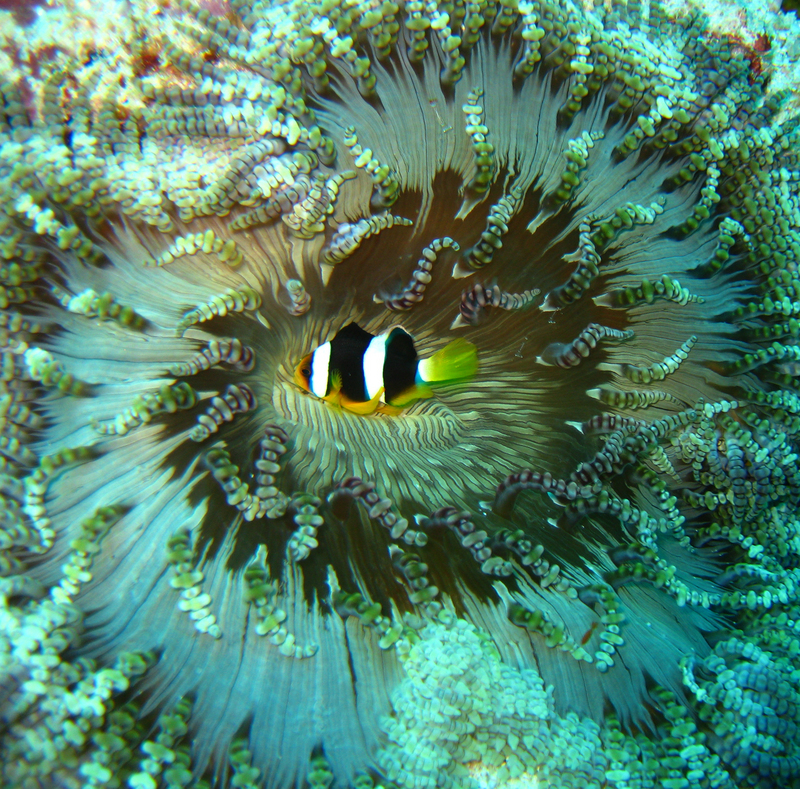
(578, 568)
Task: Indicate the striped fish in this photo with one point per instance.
(364, 373)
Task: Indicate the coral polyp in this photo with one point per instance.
(577, 568)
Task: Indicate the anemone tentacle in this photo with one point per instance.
(211, 578)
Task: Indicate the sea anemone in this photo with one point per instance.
(579, 567)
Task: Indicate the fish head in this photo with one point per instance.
(302, 373)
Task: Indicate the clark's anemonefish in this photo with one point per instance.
(363, 372)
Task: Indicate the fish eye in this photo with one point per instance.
(306, 372)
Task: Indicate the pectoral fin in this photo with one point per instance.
(334, 397)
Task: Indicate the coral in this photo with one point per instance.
(579, 568)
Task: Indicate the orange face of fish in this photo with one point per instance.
(302, 373)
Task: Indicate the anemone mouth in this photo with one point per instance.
(277, 586)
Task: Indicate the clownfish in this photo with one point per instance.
(364, 373)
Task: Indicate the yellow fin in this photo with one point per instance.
(418, 392)
(457, 361)
(334, 397)
(364, 408)
(389, 410)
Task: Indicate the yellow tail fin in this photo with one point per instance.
(457, 361)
